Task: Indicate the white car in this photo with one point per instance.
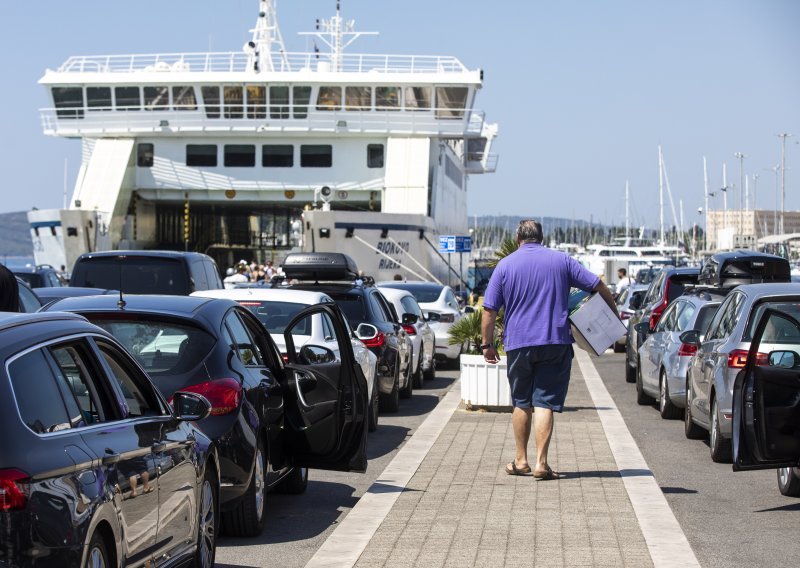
(441, 309)
(422, 336)
(275, 308)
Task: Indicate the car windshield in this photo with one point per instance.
(276, 315)
(133, 275)
(351, 305)
(162, 348)
(772, 335)
(704, 317)
(425, 294)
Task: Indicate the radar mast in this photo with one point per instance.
(337, 34)
(267, 42)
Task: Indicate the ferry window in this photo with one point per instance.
(374, 155)
(183, 98)
(302, 96)
(156, 98)
(451, 101)
(329, 98)
(256, 101)
(144, 155)
(316, 156)
(358, 98)
(277, 156)
(128, 98)
(279, 102)
(418, 98)
(68, 101)
(98, 98)
(201, 155)
(240, 155)
(387, 98)
(234, 99)
(211, 101)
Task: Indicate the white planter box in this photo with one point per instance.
(484, 385)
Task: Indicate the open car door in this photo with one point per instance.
(326, 398)
(766, 397)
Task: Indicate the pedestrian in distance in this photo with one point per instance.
(623, 281)
(9, 291)
(532, 286)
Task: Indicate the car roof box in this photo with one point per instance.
(319, 266)
(728, 270)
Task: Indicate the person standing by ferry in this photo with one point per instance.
(532, 285)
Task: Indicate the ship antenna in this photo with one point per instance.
(121, 303)
(267, 41)
(337, 34)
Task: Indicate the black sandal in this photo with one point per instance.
(518, 470)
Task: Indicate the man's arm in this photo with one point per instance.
(487, 335)
(605, 293)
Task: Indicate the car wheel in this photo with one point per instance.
(619, 348)
(374, 409)
(641, 397)
(207, 521)
(391, 402)
(418, 374)
(430, 374)
(630, 371)
(247, 519)
(720, 446)
(98, 553)
(789, 481)
(295, 482)
(690, 429)
(668, 410)
(408, 390)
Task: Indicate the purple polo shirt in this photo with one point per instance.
(533, 285)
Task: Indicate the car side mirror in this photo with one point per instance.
(642, 327)
(783, 359)
(469, 310)
(366, 331)
(316, 355)
(433, 316)
(691, 337)
(410, 319)
(190, 407)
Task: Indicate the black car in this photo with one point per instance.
(731, 269)
(96, 469)
(146, 272)
(362, 302)
(270, 421)
(766, 403)
(40, 276)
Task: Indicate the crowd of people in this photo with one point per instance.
(248, 272)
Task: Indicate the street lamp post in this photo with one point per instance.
(755, 203)
(783, 137)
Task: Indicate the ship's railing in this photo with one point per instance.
(481, 163)
(92, 122)
(241, 62)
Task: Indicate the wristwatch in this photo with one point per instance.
(485, 346)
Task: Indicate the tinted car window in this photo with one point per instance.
(28, 302)
(677, 284)
(31, 279)
(37, 395)
(74, 368)
(351, 305)
(212, 276)
(244, 344)
(704, 317)
(411, 307)
(275, 316)
(199, 275)
(378, 311)
(133, 275)
(685, 317)
(140, 401)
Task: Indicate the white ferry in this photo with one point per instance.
(257, 153)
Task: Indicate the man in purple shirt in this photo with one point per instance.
(533, 285)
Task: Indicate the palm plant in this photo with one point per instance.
(507, 246)
(467, 331)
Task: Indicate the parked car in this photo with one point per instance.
(668, 285)
(146, 272)
(29, 301)
(97, 469)
(766, 400)
(441, 309)
(664, 359)
(336, 275)
(722, 354)
(40, 276)
(49, 295)
(275, 308)
(731, 269)
(422, 336)
(271, 421)
(628, 302)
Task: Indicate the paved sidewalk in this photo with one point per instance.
(461, 509)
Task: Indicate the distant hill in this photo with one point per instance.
(15, 236)
(510, 222)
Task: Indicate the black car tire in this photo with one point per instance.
(721, 448)
(208, 520)
(430, 374)
(691, 430)
(374, 408)
(667, 410)
(295, 482)
(619, 348)
(641, 397)
(789, 481)
(630, 371)
(391, 402)
(408, 390)
(247, 519)
(417, 376)
(97, 557)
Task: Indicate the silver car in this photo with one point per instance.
(628, 302)
(664, 358)
(722, 355)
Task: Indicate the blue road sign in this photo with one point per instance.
(463, 244)
(453, 243)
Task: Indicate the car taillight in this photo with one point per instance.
(376, 341)
(737, 359)
(687, 349)
(447, 318)
(655, 315)
(624, 315)
(223, 394)
(285, 357)
(410, 329)
(12, 496)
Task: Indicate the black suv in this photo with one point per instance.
(362, 303)
(730, 269)
(147, 272)
(40, 276)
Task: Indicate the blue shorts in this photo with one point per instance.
(539, 376)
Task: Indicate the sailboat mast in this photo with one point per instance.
(627, 214)
(705, 204)
(661, 196)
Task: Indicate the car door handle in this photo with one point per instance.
(159, 447)
(306, 382)
(110, 457)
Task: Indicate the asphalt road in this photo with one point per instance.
(297, 525)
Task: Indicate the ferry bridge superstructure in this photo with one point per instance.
(228, 153)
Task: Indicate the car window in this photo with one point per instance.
(133, 275)
(667, 321)
(654, 291)
(77, 371)
(388, 308)
(727, 317)
(139, 398)
(450, 300)
(199, 275)
(410, 306)
(778, 331)
(685, 317)
(262, 340)
(275, 316)
(352, 305)
(212, 275)
(242, 342)
(37, 395)
(28, 301)
(378, 311)
(426, 294)
(327, 327)
(704, 317)
(623, 297)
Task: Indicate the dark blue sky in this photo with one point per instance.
(584, 91)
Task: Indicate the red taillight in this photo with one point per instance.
(655, 315)
(376, 341)
(410, 329)
(223, 394)
(624, 315)
(285, 357)
(687, 349)
(737, 359)
(447, 318)
(12, 495)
